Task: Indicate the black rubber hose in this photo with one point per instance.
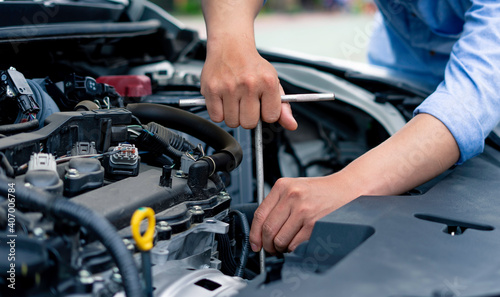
(60, 208)
(245, 248)
(19, 127)
(229, 152)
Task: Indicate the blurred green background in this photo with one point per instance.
(190, 7)
(331, 28)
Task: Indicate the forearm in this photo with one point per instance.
(230, 21)
(420, 151)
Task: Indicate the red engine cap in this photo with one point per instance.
(128, 85)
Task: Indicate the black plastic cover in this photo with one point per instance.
(405, 245)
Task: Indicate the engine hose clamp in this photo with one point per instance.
(213, 163)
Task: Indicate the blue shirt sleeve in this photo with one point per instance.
(468, 99)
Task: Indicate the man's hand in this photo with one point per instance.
(421, 150)
(238, 84)
(287, 216)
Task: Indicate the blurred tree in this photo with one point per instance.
(180, 6)
(194, 6)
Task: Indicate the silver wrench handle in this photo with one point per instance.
(313, 97)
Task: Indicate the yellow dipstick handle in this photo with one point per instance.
(145, 241)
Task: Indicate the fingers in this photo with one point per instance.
(260, 216)
(231, 111)
(301, 236)
(241, 89)
(277, 218)
(277, 227)
(271, 98)
(287, 216)
(286, 117)
(215, 108)
(250, 104)
(280, 241)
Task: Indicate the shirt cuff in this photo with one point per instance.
(462, 124)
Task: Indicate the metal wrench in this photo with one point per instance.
(258, 143)
(314, 97)
(259, 152)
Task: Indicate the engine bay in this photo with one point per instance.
(91, 130)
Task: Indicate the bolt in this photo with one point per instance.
(163, 224)
(116, 277)
(4, 77)
(38, 232)
(164, 231)
(224, 195)
(72, 172)
(85, 277)
(197, 210)
(128, 244)
(9, 91)
(198, 214)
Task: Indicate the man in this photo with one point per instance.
(453, 43)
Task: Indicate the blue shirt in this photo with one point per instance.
(454, 44)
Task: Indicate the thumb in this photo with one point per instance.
(286, 117)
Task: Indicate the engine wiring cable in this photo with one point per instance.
(67, 158)
(62, 209)
(245, 248)
(229, 264)
(136, 119)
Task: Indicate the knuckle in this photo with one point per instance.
(248, 124)
(210, 88)
(249, 82)
(281, 183)
(295, 192)
(303, 210)
(259, 216)
(216, 117)
(292, 247)
(280, 244)
(270, 79)
(270, 116)
(267, 229)
(232, 124)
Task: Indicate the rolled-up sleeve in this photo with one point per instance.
(468, 99)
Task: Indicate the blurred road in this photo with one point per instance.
(338, 35)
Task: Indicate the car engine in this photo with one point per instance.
(97, 162)
(91, 131)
